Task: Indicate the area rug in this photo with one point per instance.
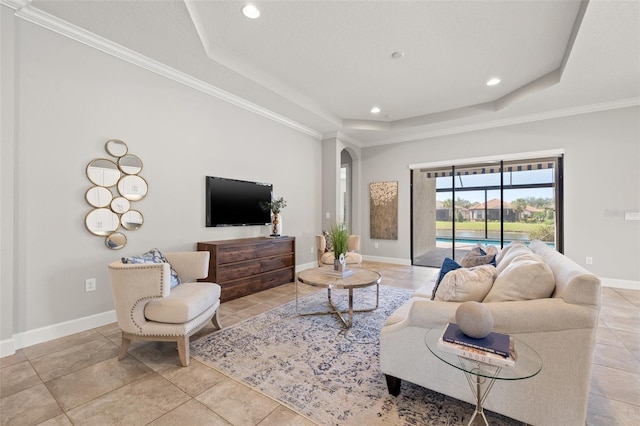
(319, 369)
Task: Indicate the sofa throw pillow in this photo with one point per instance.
(466, 284)
(328, 242)
(518, 245)
(513, 253)
(154, 256)
(527, 277)
(448, 265)
(476, 257)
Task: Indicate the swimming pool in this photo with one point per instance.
(484, 241)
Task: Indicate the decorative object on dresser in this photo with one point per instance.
(276, 207)
(249, 265)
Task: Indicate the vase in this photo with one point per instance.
(277, 225)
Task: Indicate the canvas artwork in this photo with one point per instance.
(383, 210)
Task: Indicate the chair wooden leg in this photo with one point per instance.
(183, 350)
(215, 320)
(124, 347)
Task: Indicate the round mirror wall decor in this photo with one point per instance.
(131, 220)
(98, 196)
(101, 222)
(132, 187)
(120, 205)
(117, 185)
(103, 172)
(116, 240)
(116, 148)
(130, 164)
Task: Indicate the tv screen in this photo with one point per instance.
(232, 202)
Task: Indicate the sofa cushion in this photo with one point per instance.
(504, 259)
(154, 256)
(466, 284)
(476, 257)
(184, 303)
(526, 277)
(448, 265)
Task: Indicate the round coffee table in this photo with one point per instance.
(480, 375)
(325, 277)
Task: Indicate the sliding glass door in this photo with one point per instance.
(455, 208)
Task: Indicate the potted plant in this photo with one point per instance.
(276, 206)
(340, 238)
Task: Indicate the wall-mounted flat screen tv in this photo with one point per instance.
(232, 202)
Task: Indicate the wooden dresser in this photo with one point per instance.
(250, 265)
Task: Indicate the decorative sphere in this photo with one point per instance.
(474, 319)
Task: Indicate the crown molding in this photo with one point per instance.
(25, 11)
(548, 115)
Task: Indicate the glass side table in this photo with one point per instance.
(481, 376)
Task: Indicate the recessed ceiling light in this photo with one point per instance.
(493, 81)
(375, 110)
(397, 55)
(250, 11)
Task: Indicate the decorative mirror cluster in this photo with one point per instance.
(117, 184)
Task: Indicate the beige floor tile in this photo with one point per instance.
(61, 420)
(615, 384)
(605, 336)
(17, 377)
(631, 295)
(16, 358)
(81, 386)
(614, 312)
(191, 413)
(74, 358)
(608, 412)
(616, 357)
(236, 403)
(108, 329)
(194, 379)
(623, 324)
(137, 403)
(630, 340)
(157, 355)
(283, 416)
(29, 407)
(56, 345)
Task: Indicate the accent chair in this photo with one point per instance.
(147, 308)
(326, 257)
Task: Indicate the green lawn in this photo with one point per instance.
(493, 226)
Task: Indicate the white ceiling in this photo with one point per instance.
(324, 64)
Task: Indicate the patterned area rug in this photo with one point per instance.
(316, 367)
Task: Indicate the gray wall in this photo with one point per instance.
(602, 180)
(70, 99)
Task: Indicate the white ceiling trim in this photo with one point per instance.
(548, 115)
(25, 11)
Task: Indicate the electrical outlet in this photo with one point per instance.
(375, 245)
(90, 284)
(589, 260)
(312, 250)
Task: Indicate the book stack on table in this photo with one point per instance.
(495, 349)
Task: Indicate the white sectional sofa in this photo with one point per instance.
(561, 328)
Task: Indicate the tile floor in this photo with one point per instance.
(78, 380)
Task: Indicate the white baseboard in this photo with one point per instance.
(387, 260)
(306, 266)
(55, 331)
(616, 283)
